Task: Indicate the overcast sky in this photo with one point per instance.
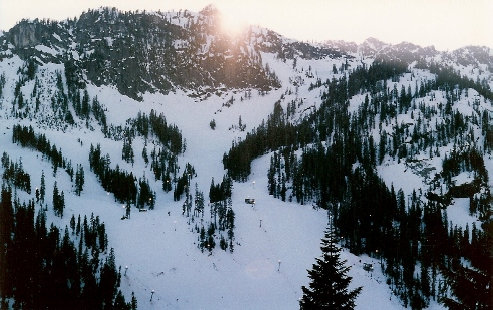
(446, 24)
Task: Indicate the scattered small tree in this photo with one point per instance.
(42, 189)
(58, 201)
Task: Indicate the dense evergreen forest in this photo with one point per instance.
(42, 267)
(329, 159)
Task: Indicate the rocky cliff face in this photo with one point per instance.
(140, 52)
(26, 35)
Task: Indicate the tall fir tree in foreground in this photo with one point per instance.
(328, 288)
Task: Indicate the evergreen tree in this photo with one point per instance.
(61, 204)
(72, 223)
(55, 198)
(144, 154)
(79, 180)
(328, 288)
(127, 150)
(199, 201)
(42, 190)
(58, 201)
(85, 108)
(120, 302)
(133, 302)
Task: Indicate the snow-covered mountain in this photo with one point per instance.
(176, 103)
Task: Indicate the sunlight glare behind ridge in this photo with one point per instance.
(232, 22)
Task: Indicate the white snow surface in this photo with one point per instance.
(160, 250)
(458, 214)
(159, 246)
(45, 49)
(168, 261)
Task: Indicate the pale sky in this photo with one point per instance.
(446, 24)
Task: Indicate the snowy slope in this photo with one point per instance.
(275, 242)
(159, 247)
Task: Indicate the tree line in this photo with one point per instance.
(122, 184)
(26, 137)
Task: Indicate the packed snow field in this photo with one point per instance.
(160, 250)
